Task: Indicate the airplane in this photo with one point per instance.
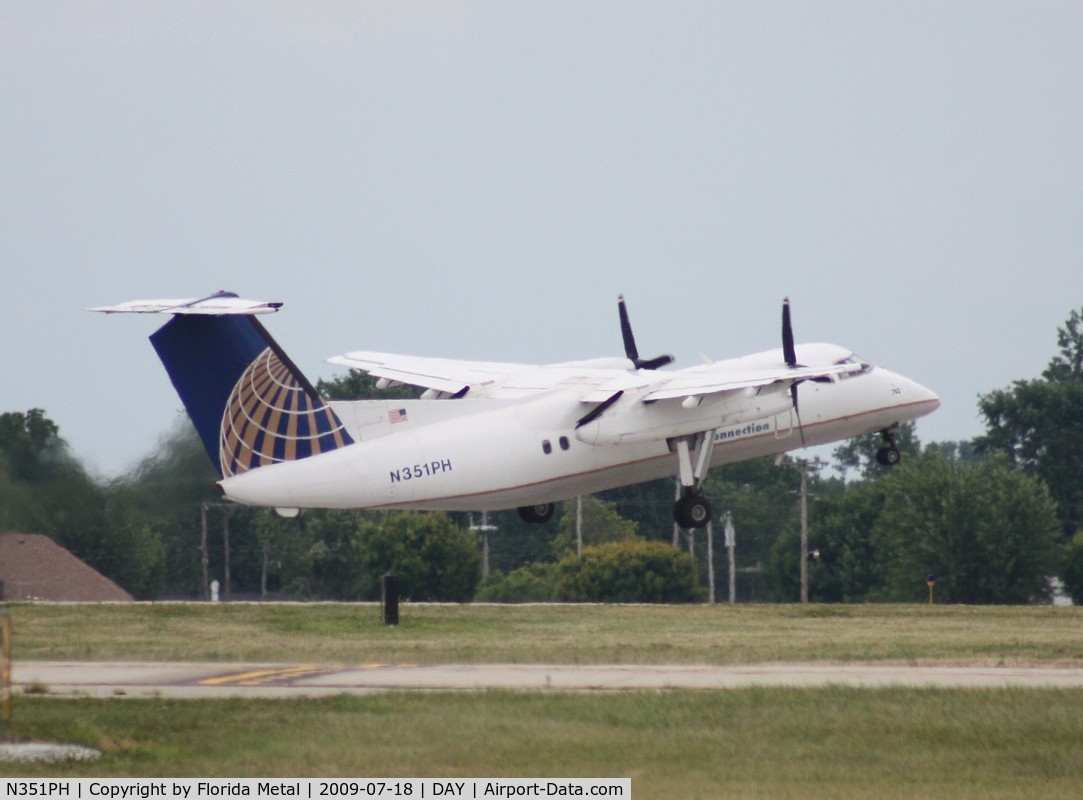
(487, 436)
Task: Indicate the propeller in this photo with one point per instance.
(789, 354)
(630, 348)
(788, 351)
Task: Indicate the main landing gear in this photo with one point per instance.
(693, 510)
(888, 455)
(542, 512)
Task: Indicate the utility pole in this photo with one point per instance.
(205, 556)
(710, 563)
(483, 529)
(731, 545)
(203, 550)
(227, 592)
(804, 464)
(804, 529)
(579, 525)
(676, 527)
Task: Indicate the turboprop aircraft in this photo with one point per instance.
(486, 436)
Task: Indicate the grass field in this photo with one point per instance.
(568, 634)
(754, 743)
(757, 743)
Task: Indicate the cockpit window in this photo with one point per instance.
(858, 366)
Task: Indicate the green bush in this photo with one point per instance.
(530, 584)
(631, 571)
(433, 558)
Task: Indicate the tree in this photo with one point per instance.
(630, 571)
(1071, 568)
(601, 523)
(859, 453)
(763, 500)
(1038, 424)
(286, 547)
(44, 489)
(30, 444)
(433, 558)
(164, 493)
(1068, 366)
(849, 567)
(960, 452)
(357, 385)
(334, 555)
(987, 532)
(133, 555)
(514, 543)
(649, 505)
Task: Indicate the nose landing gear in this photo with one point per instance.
(888, 455)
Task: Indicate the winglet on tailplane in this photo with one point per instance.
(249, 402)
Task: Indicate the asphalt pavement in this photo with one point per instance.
(211, 680)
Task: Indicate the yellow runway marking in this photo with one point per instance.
(260, 677)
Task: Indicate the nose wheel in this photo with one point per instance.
(888, 455)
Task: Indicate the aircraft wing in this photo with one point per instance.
(442, 374)
(720, 378)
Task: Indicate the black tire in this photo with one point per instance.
(537, 514)
(692, 511)
(888, 456)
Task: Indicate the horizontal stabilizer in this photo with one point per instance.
(217, 304)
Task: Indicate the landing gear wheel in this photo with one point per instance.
(888, 456)
(692, 511)
(542, 512)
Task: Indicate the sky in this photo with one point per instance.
(481, 180)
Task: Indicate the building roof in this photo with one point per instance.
(34, 567)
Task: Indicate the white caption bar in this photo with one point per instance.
(314, 788)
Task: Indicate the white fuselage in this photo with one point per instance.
(507, 451)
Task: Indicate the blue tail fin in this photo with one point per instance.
(250, 404)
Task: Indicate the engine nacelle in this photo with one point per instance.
(630, 420)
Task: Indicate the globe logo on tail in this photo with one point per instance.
(270, 418)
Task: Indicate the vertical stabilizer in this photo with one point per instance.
(249, 403)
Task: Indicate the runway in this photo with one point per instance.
(209, 680)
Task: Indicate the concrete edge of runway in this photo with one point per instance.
(217, 680)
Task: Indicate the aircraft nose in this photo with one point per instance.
(925, 399)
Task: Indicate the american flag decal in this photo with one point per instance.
(397, 415)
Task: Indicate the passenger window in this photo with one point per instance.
(547, 448)
(564, 444)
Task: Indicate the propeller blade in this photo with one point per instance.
(599, 409)
(797, 412)
(630, 349)
(654, 363)
(789, 353)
